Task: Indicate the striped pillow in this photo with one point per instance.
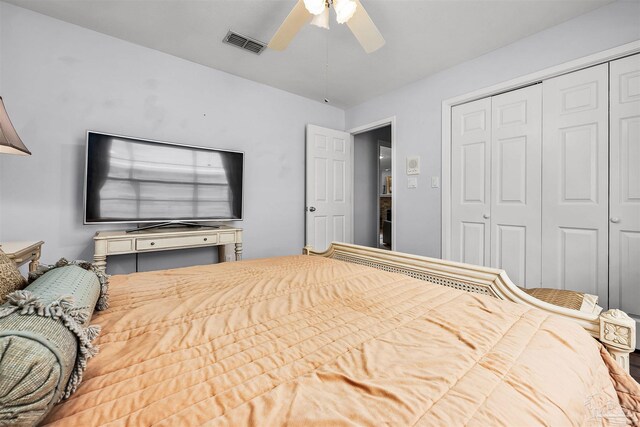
(45, 342)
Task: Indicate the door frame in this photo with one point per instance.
(389, 121)
(509, 85)
(378, 217)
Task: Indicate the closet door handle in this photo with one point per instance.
(614, 219)
(486, 216)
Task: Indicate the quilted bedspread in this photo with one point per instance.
(312, 341)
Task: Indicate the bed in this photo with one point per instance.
(350, 336)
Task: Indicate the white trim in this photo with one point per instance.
(394, 170)
(567, 67)
(353, 184)
(379, 144)
(445, 183)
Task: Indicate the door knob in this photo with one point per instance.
(312, 209)
(486, 216)
(614, 220)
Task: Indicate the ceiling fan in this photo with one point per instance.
(350, 12)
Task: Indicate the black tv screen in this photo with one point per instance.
(130, 180)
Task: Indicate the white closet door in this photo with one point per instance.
(624, 182)
(575, 173)
(516, 155)
(471, 182)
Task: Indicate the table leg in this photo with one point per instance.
(100, 261)
(222, 253)
(238, 251)
(35, 262)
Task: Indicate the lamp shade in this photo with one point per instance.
(344, 10)
(315, 7)
(10, 142)
(321, 20)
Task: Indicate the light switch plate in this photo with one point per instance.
(413, 165)
(412, 183)
(435, 181)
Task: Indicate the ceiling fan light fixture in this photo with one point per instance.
(351, 12)
(315, 7)
(344, 10)
(321, 20)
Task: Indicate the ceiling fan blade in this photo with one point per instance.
(365, 30)
(296, 19)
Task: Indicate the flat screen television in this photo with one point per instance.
(131, 180)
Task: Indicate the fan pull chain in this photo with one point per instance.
(326, 70)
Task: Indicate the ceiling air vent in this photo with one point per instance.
(244, 42)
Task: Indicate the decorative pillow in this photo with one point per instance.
(45, 342)
(10, 277)
(103, 300)
(31, 374)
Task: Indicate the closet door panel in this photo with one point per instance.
(575, 182)
(470, 182)
(516, 154)
(624, 181)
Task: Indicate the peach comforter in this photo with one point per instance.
(312, 341)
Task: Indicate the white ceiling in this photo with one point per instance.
(423, 37)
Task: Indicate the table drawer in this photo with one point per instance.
(227, 237)
(177, 242)
(119, 246)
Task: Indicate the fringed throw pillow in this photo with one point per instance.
(45, 342)
(103, 300)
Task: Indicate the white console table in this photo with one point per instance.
(167, 239)
(22, 252)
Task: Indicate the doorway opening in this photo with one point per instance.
(373, 187)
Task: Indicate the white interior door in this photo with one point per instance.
(575, 200)
(329, 189)
(516, 156)
(471, 182)
(624, 185)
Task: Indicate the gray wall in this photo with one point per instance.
(365, 192)
(417, 107)
(59, 80)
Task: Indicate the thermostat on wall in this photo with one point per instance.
(413, 165)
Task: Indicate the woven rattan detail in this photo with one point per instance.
(560, 297)
(421, 275)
